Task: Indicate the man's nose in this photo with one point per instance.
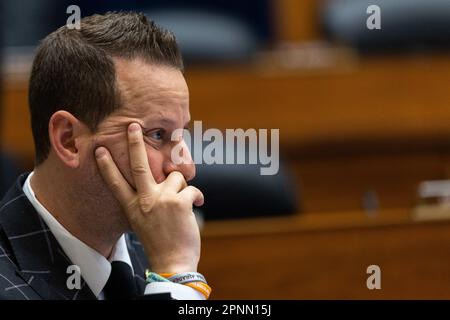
(183, 163)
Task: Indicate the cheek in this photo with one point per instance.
(118, 147)
(122, 160)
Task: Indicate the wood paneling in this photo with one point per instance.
(339, 183)
(377, 99)
(325, 256)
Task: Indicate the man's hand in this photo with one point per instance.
(160, 214)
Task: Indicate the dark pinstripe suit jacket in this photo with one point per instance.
(32, 264)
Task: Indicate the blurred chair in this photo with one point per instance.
(405, 24)
(240, 191)
(208, 37)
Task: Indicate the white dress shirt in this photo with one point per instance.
(95, 268)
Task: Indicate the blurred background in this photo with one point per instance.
(364, 137)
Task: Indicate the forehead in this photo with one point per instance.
(151, 91)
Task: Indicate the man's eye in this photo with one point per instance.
(157, 135)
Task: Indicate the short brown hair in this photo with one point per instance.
(73, 70)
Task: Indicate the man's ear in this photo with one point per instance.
(63, 130)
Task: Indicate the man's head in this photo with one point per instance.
(88, 85)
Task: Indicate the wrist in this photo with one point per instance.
(174, 268)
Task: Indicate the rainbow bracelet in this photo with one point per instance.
(154, 277)
(193, 280)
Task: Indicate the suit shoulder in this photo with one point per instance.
(12, 286)
(8, 265)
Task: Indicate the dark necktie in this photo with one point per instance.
(121, 284)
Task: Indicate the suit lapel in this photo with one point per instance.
(41, 261)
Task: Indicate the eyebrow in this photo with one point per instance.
(171, 122)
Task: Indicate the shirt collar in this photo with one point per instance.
(95, 268)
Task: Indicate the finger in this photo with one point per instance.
(194, 195)
(140, 169)
(112, 176)
(175, 182)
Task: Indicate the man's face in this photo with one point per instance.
(157, 98)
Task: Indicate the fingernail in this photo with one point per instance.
(100, 152)
(134, 127)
